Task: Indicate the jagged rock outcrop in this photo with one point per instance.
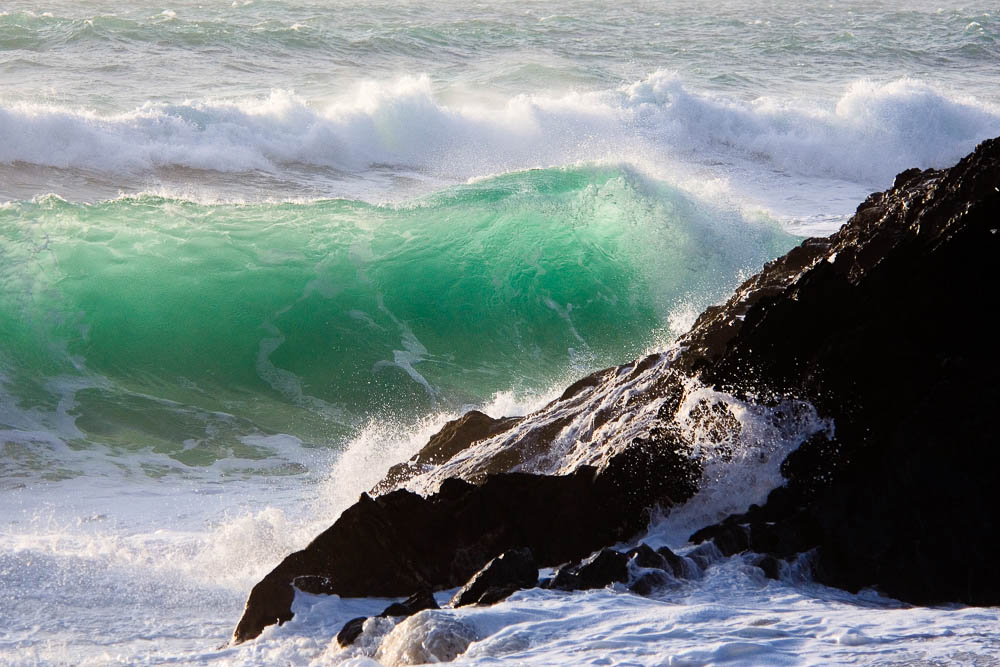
(642, 568)
(453, 437)
(509, 572)
(886, 327)
(889, 329)
(401, 542)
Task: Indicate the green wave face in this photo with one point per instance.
(195, 330)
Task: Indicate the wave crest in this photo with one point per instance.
(307, 319)
(866, 136)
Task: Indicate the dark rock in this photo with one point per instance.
(351, 631)
(704, 555)
(729, 536)
(417, 602)
(651, 569)
(811, 467)
(770, 565)
(497, 593)
(888, 328)
(675, 562)
(650, 581)
(607, 567)
(317, 585)
(644, 556)
(565, 578)
(395, 609)
(602, 569)
(400, 542)
(587, 382)
(653, 467)
(510, 571)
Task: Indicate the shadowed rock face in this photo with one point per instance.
(890, 331)
(510, 571)
(454, 437)
(400, 542)
(886, 327)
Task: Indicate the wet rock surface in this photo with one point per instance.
(605, 567)
(644, 556)
(401, 541)
(643, 569)
(650, 582)
(351, 630)
(889, 331)
(415, 603)
(886, 327)
(509, 572)
(454, 437)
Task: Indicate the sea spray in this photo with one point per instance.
(865, 135)
(741, 443)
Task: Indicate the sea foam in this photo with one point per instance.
(867, 135)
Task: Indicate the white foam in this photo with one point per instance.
(87, 547)
(427, 637)
(874, 130)
(871, 132)
(383, 442)
(741, 463)
(733, 615)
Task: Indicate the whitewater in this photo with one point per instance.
(253, 253)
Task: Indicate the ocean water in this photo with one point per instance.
(253, 253)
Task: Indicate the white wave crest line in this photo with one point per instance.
(872, 131)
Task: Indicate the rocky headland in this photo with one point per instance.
(871, 351)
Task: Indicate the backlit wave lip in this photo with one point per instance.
(867, 135)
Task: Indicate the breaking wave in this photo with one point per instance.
(867, 135)
(231, 332)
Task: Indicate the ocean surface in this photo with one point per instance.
(253, 253)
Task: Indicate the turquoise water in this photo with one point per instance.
(184, 327)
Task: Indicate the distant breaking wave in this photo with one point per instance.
(872, 132)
